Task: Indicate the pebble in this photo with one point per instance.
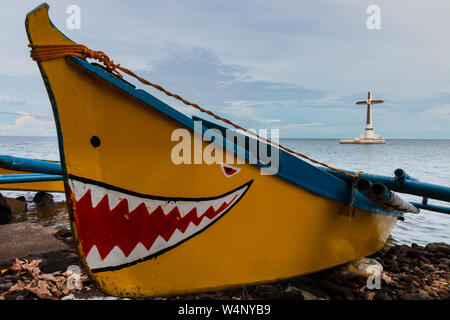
(5, 286)
(428, 268)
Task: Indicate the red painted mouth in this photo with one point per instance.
(120, 228)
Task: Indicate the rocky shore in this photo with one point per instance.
(410, 273)
(52, 271)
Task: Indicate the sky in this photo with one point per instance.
(296, 66)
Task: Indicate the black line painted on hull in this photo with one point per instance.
(152, 197)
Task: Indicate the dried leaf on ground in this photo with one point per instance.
(42, 285)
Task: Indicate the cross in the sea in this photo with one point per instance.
(369, 103)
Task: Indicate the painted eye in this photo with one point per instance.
(229, 171)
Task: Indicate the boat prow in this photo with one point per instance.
(147, 226)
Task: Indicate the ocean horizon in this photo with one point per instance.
(424, 159)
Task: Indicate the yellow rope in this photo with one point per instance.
(55, 51)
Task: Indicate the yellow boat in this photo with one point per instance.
(146, 226)
(48, 186)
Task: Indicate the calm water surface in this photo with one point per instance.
(426, 160)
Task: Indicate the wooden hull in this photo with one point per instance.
(48, 186)
(137, 216)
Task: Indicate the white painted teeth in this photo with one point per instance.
(116, 257)
(79, 189)
(133, 202)
(114, 198)
(184, 207)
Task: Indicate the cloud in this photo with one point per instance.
(262, 63)
(27, 125)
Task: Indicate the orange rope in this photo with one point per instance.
(55, 51)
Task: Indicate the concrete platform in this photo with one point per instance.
(367, 137)
(362, 141)
(24, 240)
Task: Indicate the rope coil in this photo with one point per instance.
(54, 51)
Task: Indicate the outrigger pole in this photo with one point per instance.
(30, 165)
(402, 183)
(21, 178)
(41, 170)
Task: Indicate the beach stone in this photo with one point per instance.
(336, 290)
(404, 268)
(24, 240)
(445, 261)
(6, 215)
(419, 272)
(17, 206)
(442, 266)
(444, 296)
(270, 291)
(63, 234)
(43, 199)
(423, 295)
(379, 295)
(394, 268)
(56, 260)
(428, 268)
(13, 278)
(438, 247)
(416, 252)
(308, 295)
(5, 286)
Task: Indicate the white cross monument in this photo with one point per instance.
(368, 136)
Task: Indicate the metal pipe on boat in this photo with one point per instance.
(414, 187)
(384, 196)
(363, 185)
(401, 175)
(30, 165)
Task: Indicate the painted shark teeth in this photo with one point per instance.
(207, 210)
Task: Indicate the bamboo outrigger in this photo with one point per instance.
(30, 175)
(146, 226)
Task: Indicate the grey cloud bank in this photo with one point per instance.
(296, 65)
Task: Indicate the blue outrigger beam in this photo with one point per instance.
(431, 207)
(30, 165)
(19, 178)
